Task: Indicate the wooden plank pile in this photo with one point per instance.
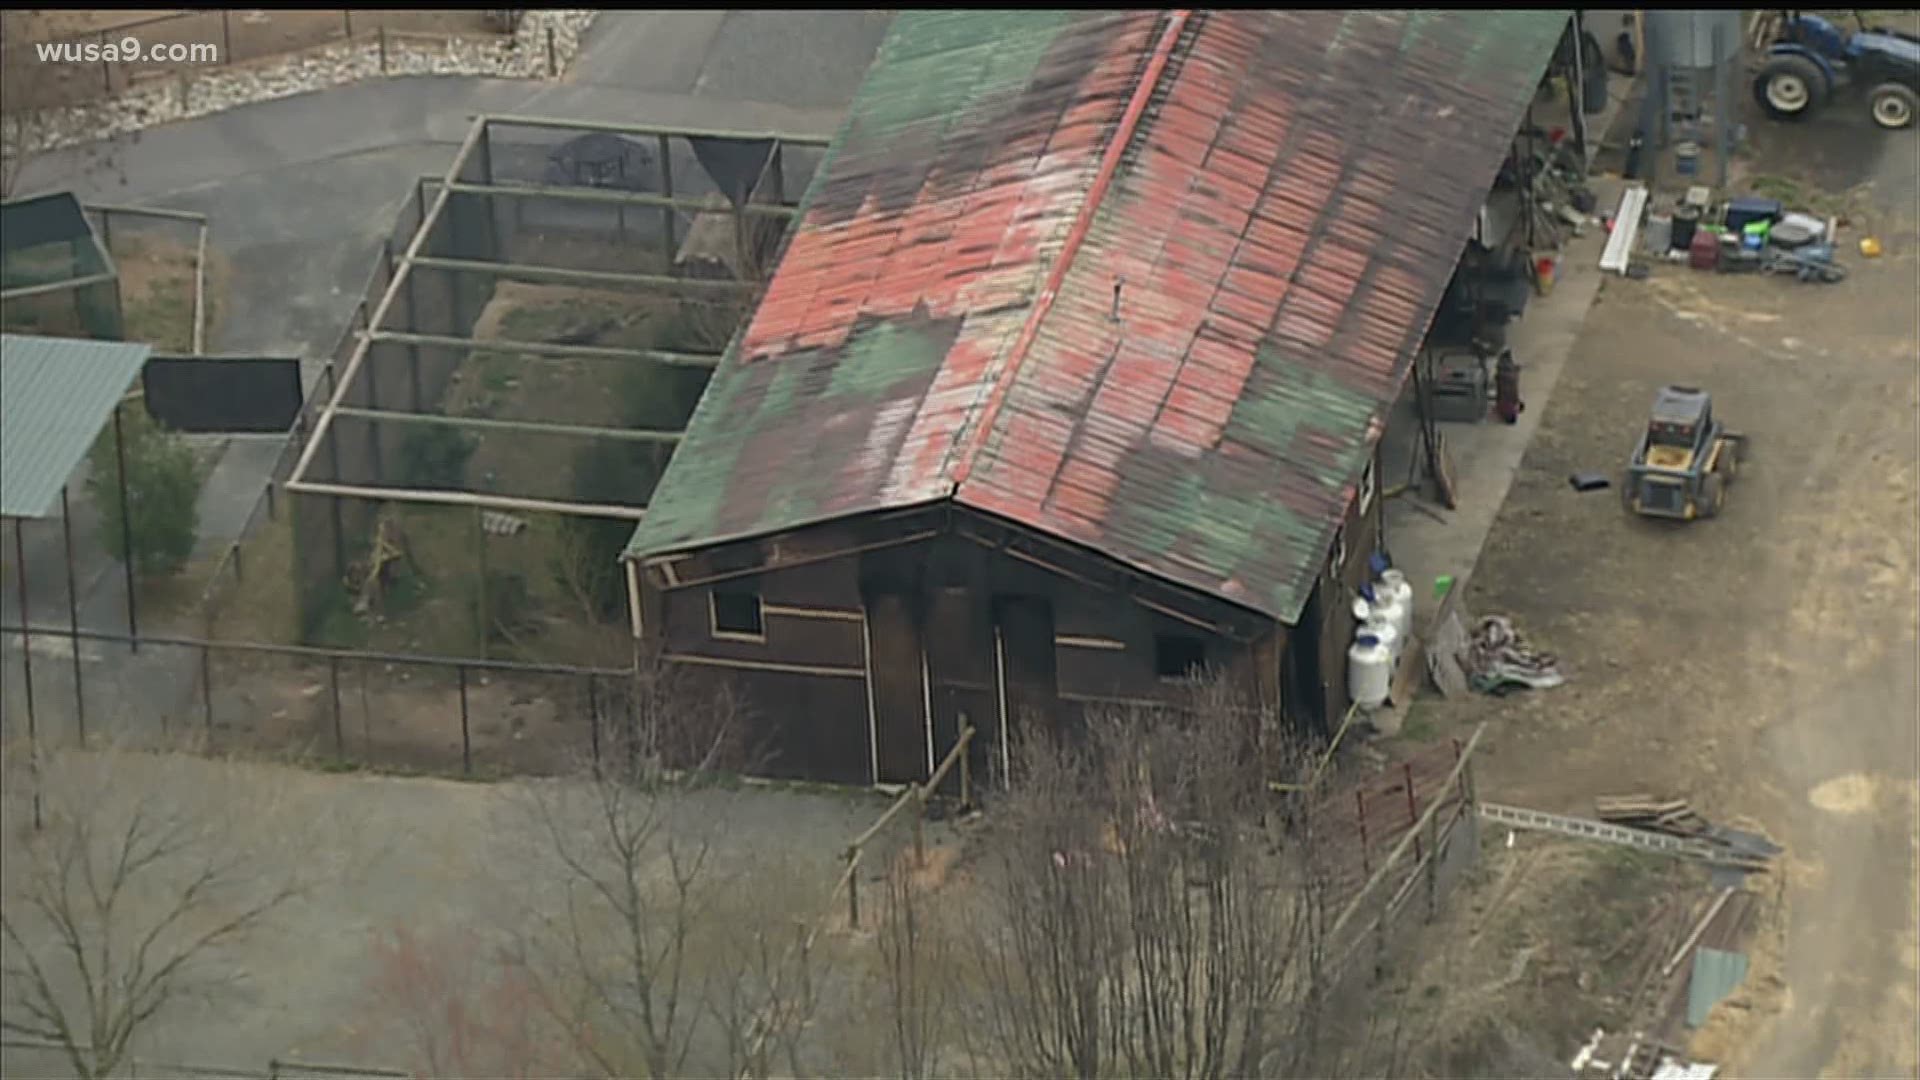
(1671, 816)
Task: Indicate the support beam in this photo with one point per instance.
(507, 503)
(522, 190)
(544, 348)
(819, 141)
(553, 274)
(530, 427)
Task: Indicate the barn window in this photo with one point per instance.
(737, 614)
(1178, 656)
(1367, 484)
(1339, 554)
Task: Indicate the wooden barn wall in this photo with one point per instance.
(1339, 585)
(955, 631)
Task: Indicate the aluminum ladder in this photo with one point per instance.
(1606, 832)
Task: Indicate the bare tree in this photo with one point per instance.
(1143, 918)
(914, 961)
(643, 951)
(458, 1009)
(146, 872)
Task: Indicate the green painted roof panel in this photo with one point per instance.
(56, 394)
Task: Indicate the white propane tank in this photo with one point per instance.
(1381, 630)
(1396, 601)
(1369, 671)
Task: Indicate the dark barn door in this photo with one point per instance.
(960, 661)
(894, 674)
(1028, 680)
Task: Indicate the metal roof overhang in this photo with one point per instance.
(56, 394)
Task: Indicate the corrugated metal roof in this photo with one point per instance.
(1284, 222)
(56, 394)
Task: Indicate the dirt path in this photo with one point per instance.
(1762, 664)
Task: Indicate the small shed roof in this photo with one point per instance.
(55, 396)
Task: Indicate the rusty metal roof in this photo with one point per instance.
(1283, 195)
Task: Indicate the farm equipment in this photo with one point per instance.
(1685, 461)
(1811, 57)
(1813, 262)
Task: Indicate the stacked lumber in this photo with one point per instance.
(1671, 816)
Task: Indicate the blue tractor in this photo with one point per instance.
(1812, 57)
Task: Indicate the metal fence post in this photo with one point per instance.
(126, 533)
(226, 36)
(593, 719)
(26, 660)
(919, 827)
(553, 56)
(333, 680)
(1433, 867)
(206, 688)
(853, 887)
(1360, 811)
(73, 617)
(466, 739)
(347, 15)
(383, 49)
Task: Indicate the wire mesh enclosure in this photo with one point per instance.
(56, 277)
(546, 320)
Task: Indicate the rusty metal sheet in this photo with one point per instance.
(1285, 217)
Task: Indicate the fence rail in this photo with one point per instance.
(241, 37)
(277, 1068)
(403, 712)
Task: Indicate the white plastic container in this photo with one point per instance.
(1396, 597)
(1381, 629)
(1369, 671)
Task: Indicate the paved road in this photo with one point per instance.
(300, 192)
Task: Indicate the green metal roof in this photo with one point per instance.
(55, 396)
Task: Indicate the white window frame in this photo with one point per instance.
(1369, 483)
(1339, 550)
(713, 619)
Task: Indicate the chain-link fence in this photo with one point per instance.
(57, 277)
(98, 63)
(335, 707)
(37, 1057)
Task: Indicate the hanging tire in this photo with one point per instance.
(1893, 106)
(1791, 88)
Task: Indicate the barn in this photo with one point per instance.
(1071, 378)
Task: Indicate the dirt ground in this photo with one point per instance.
(439, 859)
(1762, 664)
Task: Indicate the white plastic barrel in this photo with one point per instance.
(1396, 596)
(1381, 629)
(1369, 671)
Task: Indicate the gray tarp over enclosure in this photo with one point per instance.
(56, 394)
(55, 274)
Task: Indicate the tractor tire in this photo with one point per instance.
(1893, 105)
(1729, 463)
(1713, 495)
(1791, 88)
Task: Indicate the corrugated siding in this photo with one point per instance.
(56, 394)
(1284, 223)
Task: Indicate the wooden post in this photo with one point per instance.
(347, 16)
(1360, 811)
(553, 55)
(1433, 867)
(1413, 809)
(966, 765)
(226, 36)
(466, 737)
